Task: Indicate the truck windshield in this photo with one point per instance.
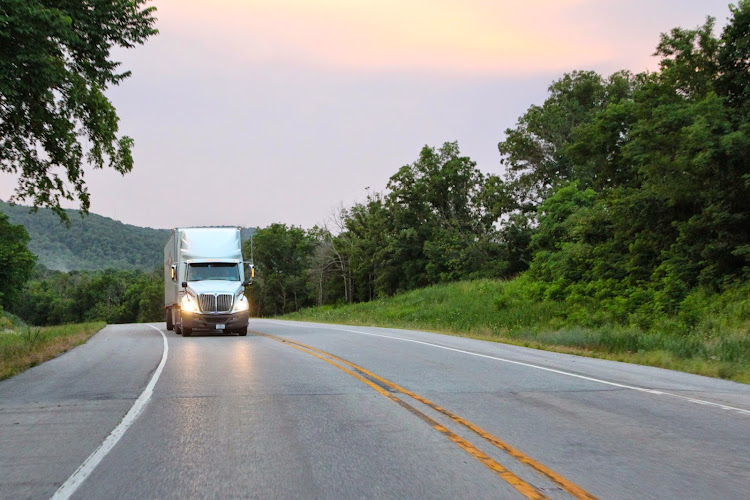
(213, 271)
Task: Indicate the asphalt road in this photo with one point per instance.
(300, 410)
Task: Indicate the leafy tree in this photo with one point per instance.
(534, 152)
(54, 69)
(54, 297)
(733, 82)
(151, 298)
(369, 230)
(690, 146)
(282, 257)
(16, 261)
(659, 201)
(443, 211)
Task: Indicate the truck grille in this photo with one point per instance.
(215, 303)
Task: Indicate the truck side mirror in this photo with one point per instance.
(184, 284)
(249, 269)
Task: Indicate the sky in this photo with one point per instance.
(250, 112)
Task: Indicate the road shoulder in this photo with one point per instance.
(54, 415)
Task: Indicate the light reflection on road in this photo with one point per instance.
(242, 360)
(190, 359)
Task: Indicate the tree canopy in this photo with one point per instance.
(55, 66)
(659, 197)
(16, 261)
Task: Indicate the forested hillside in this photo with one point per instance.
(91, 242)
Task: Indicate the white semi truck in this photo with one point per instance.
(204, 281)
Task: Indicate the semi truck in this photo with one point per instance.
(204, 281)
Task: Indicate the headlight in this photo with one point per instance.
(188, 304)
(241, 304)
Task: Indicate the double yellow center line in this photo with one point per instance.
(369, 379)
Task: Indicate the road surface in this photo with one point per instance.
(302, 410)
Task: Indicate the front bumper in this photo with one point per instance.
(208, 322)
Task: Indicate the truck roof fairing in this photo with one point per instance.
(219, 243)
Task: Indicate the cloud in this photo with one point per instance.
(477, 37)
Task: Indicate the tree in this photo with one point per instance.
(535, 151)
(656, 196)
(282, 258)
(368, 231)
(16, 261)
(115, 296)
(330, 271)
(733, 58)
(54, 69)
(444, 210)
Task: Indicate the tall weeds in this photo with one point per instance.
(708, 334)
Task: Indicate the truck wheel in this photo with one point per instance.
(170, 325)
(186, 332)
(242, 332)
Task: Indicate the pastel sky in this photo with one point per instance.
(249, 112)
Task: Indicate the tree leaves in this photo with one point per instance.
(16, 261)
(644, 188)
(54, 116)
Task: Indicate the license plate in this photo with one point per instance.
(220, 326)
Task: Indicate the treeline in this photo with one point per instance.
(436, 223)
(629, 190)
(114, 296)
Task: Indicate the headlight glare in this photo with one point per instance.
(188, 304)
(241, 304)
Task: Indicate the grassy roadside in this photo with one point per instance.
(22, 347)
(713, 340)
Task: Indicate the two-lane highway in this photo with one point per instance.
(325, 411)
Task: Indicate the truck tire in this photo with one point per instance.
(186, 332)
(242, 332)
(170, 325)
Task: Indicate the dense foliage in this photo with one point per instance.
(54, 69)
(285, 254)
(656, 200)
(629, 191)
(16, 261)
(53, 297)
(88, 243)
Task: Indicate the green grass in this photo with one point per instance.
(22, 347)
(709, 336)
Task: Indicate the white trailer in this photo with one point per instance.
(204, 281)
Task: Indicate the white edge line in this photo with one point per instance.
(87, 467)
(560, 372)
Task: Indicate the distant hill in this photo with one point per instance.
(93, 242)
